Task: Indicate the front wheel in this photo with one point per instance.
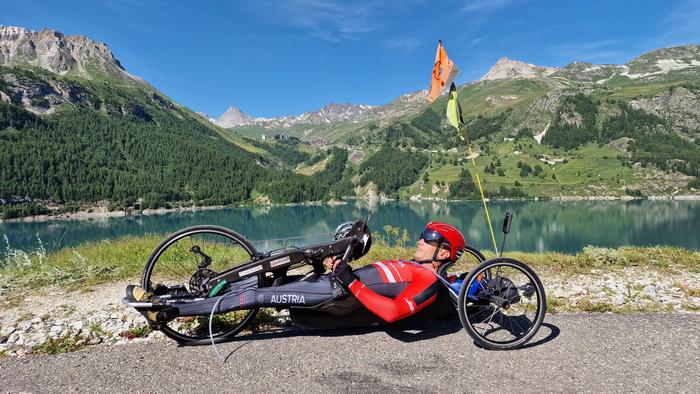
(502, 304)
(180, 267)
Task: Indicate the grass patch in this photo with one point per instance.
(62, 344)
(263, 320)
(139, 331)
(593, 306)
(97, 331)
(84, 265)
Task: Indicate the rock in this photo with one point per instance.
(561, 293)
(12, 339)
(77, 326)
(7, 330)
(156, 335)
(649, 290)
(694, 302)
(618, 300)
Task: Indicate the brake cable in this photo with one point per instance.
(211, 332)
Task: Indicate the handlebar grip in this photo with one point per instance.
(506, 222)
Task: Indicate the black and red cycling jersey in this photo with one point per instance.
(395, 289)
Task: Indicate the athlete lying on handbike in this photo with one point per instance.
(390, 289)
(197, 290)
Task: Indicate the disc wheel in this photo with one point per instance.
(509, 307)
(183, 262)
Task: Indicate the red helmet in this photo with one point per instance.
(444, 235)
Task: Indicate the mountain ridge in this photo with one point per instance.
(61, 54)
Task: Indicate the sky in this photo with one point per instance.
(278, 58)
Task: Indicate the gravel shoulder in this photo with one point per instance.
(581, 352)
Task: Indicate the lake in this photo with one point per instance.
(538, 225)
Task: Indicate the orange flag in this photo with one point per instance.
(444, 72)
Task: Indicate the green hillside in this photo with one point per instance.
(596, 143)
(124, 142)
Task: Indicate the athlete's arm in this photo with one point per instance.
(420, 292)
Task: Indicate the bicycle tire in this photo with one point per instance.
(465, 303)
(172, 329)
(469, 253)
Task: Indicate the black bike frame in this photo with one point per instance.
(278, 263)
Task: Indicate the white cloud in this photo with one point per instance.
(405, 44)
(332, 20)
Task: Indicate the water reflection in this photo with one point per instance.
(538, 225)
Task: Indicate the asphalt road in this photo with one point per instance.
(588, 352)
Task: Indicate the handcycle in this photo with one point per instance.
(500, 302)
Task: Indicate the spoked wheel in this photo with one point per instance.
(183, 262)
(506, 305)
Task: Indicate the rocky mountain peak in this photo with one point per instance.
(507, 68)
(58, 53)
(233, 117)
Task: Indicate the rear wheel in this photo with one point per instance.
(180, 266)
(456, 272)
(506, 305)
(470, 258)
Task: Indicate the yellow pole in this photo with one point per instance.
(481, 189)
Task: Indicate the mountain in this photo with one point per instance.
(60, 54)
(506, 68)
(333, 121)
(233, 117)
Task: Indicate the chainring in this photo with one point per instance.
(199, 279)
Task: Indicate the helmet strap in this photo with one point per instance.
(437, 250)
(434, 258)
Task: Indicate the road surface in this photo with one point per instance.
(586, 352)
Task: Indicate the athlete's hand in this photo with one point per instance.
(331, 262)
(342, 272)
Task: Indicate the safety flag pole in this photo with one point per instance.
(454, 118)
(444, 72)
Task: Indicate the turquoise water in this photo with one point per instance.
(538, 225)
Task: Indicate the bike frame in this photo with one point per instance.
(280, 262)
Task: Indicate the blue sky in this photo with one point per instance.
(275, 58)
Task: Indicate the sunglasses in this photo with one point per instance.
(433, 237)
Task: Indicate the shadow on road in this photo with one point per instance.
(554, 332)
(403, 333)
